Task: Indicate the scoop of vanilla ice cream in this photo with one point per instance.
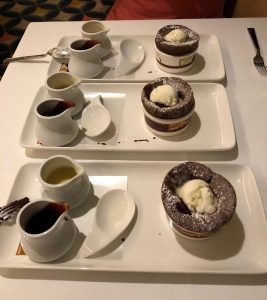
(176, 36)
(198, 196)
(164, 94)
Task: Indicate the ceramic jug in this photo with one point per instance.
(97, 31)
(62, 179)
(85, 61)
(65, 86)
(47, 231)
(55, 126)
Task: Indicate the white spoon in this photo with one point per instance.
(132, 56)
(114, 212)
(95, 118)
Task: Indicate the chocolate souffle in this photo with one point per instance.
(165, 118)
(175, 47)
(182, 217)
(172, 48)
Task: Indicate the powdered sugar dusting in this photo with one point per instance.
(192, 36)
(185, 94)
(174, 48)
(191, 221)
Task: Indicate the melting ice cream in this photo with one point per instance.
(164, 94)
(176, 36)
(198, 196)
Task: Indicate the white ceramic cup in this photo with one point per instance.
(55, 125)
(62, 179)
(85, 61)
(65, 86)
(47, 231)
(96, 30)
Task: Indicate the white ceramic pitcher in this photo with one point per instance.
(47, 231)
(55, 126)
(63, 179)
(96, 30)
(66, 86)
(85, 61)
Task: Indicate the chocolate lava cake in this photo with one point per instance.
(174, 48)
(191, 223)
(185, 103)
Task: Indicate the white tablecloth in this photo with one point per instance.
(247, 93)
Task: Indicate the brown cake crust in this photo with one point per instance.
(191, 223)
(177, 49)
(181, 109)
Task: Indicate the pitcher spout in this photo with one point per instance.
(60, 82)
(76, 82)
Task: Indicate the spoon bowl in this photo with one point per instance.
(114, 212)
(95, 118)
(132, 56)
(61, 55)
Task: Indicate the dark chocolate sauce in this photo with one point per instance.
(42, 220)
(144, 140)
(57, 109)
(85, 45)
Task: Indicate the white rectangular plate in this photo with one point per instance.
(208, 61)
(211, 127)
(151, 246)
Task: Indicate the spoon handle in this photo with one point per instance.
(11, 59)
(64, 67)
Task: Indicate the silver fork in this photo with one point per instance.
(258, 60)
(9, 210)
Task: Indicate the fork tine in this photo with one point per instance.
(265, 71)
(258, 59)
(260, 70)
(10, 209)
